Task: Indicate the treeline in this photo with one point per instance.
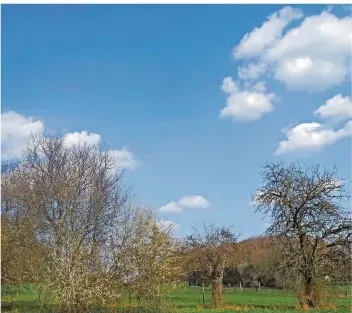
(258, 271)
(70, 226)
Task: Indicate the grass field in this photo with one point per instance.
(22, 299)
(263, 301)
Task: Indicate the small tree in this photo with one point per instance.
(211, 250)
(308, 219)
(147, 259)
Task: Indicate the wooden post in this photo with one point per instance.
(259, 286)
(203, 286)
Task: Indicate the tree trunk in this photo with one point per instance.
(220, 292)
(214, 283)
(220, 279)
(308, 288)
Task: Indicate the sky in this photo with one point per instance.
(191, 99)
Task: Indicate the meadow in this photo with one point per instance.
(22, 299)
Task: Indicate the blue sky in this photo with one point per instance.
(146, 80)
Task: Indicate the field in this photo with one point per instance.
(190, 300)
(264, 301)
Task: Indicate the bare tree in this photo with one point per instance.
(72, 196)
(308, 218)
(69, 221)
(211, 250)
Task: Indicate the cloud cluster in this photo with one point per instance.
(309, 54)
(311, 136)
(193, 201)
(314, 136)
(248, 104)
(312, 56)
(16, 129)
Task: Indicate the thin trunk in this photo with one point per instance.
(214, 283)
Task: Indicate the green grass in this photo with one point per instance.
(187, 299)
(22, 299)
(193, 296)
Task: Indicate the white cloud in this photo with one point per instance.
(81, 138)
(258, 39)
(314, 136)
(192, 201)
(312, 56)
(249, 104)
(166, 225)
(15, 132)
(311, 136)
(172, 207)
(124, 158)
(337, 106)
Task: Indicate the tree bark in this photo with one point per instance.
(308, 288)
(220, 279)
(214, 283)
(219, 292)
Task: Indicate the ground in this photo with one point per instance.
(190, 300)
